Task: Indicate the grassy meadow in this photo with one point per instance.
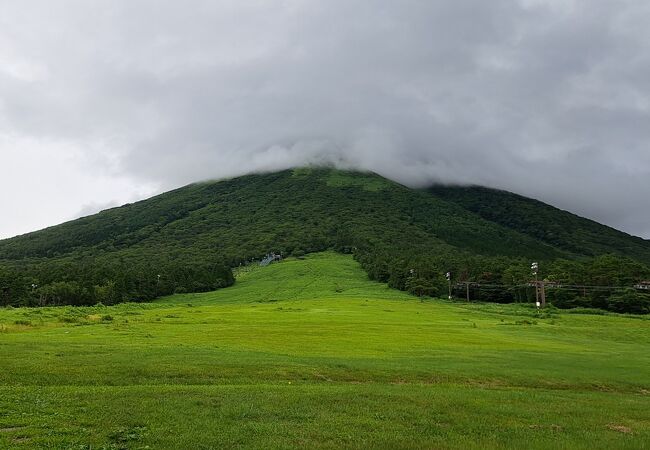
(310, 354)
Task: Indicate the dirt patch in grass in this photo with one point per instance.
(11, 429)
(619, 428)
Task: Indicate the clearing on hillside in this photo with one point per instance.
(310, 354)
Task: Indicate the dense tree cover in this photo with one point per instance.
(545, 223)
(89, 282)
(605, 282)
(190, 236)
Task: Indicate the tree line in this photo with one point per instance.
(82, 283)
(607, 279)
(605, 282)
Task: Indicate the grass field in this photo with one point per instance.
(310, 354)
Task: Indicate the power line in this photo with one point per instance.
(548, 286)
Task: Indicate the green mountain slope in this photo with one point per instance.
(545, 223)
(183, 240)
(289, 211)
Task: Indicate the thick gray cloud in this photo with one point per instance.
(107, 101)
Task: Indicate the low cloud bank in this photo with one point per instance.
(546, 98)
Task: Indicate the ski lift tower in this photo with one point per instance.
(534, 267)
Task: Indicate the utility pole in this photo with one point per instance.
(448, 275)
(543, 293)
(534, 267)
(467, 289)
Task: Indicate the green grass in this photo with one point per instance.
(310, 354)
(348, 179)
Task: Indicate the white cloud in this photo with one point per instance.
(546, 98)
(47, 182)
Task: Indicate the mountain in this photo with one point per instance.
(545, 223)
(291, 211)
(407, 237)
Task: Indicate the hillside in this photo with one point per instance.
(288, 211)
(311, 354)
(545, 223)
(185, 240)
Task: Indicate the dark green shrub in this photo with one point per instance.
(629, 301)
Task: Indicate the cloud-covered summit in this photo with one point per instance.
(112, 100)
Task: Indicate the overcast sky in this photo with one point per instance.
(105, 102)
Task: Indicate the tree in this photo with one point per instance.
(629, 301)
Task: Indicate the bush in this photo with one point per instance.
(629, 302)
(68, 319)
(422, 287)
(594, 311)
(64, 293)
